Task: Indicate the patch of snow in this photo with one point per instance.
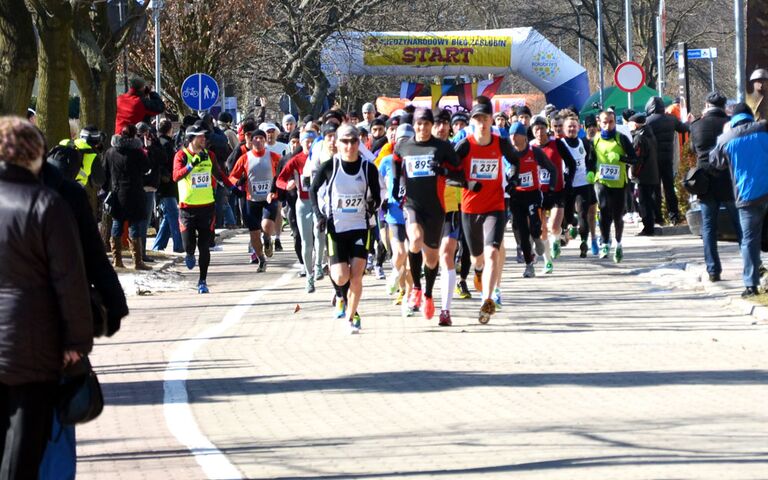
(149, 283)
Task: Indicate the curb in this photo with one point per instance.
(670, 230)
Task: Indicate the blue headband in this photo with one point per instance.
(309, 135)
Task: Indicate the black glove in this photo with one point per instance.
(321, 222)
(237, 192)
(370, 208)
(435, 166)
(474, 186)
(384, 205)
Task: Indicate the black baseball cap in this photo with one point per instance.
(424, 114)
(481, 109)
(393, 122)
(460, 117)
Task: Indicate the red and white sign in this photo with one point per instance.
(629, 77)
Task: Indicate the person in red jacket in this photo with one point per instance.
(135, 105)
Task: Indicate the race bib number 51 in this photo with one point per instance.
(610, 172)
(526, 180)
(484, 169)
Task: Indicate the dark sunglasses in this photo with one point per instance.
(349, 141)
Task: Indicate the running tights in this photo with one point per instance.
(193, 238)
(611, 202)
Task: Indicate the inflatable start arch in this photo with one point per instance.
(522, 51)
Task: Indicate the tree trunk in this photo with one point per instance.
(18, 57)
(54, 25)
(756, 13)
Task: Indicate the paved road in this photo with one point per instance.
(592, 372)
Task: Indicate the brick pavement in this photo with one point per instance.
(592, 372)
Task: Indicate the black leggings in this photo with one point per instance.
(583, 199)
(527, 220)
(465, 261)
(197, 233)
(611, 203)
(293, 222)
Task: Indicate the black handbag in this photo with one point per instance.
(696, 181)
(99, 313)
(79, 396)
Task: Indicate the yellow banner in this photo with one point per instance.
(436, 51)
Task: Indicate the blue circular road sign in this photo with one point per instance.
(199, 91)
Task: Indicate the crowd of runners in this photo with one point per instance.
(426, 194)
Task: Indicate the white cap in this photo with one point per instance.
(268, 126)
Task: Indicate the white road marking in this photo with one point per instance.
(178, 413)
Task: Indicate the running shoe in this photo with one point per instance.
(496, 297)
(555, 248)
(190, 261)
(605, 250)
(488, 309)
(369, 263)
(278, 245)
(355, 324)
(262, 264)
(319, 275)
(462, 290)
(549, 267)
(394, 282)
(302, 272)
(269, 248)
(478, 281)
(379, 272)
(595, 249)
(583, 249)
(750, 292)
(414, 299)
(341, 308)
(530, 271)
(429, 308)
(573, 231)
(399, 298)
(254, 258)
(445, 319)
(310, 285)
(202, 287)
(618, 254)
(216, 248)
(520, 258)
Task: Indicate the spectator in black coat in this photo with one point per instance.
(704, 133)
(646, 172)
(156, 157)
(45, 311)
(664, 126)
(168, 194)
(125, 165)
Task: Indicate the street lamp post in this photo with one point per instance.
(628, 27)
(738, 14)
(157, 6)
(600, 49)
(578, 4)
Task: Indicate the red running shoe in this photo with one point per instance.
(429, 308)
(445, 318)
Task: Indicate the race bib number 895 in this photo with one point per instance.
(418, 166)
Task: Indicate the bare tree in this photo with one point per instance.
(292, 42)
(95, 54)
(53, 21)
(18, 56)
(199, 36)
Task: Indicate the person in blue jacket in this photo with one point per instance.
(743, 148)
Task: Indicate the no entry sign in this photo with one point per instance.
(629, 77)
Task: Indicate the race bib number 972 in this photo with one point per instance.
(610, 172)
(484, 169)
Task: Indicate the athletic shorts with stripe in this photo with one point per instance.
(344, 246)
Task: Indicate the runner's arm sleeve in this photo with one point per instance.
(286, 174)
(397, 172)
(180, 166)
(544, 162)
(218, 172)
(238, 170)
(629, 150)
(323, 176)
(510, 154)
(590, 160)
(374, 185)
(570, 163)
(457, 177)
